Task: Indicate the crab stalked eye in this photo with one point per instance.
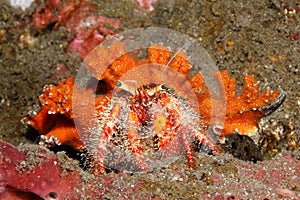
(155, 89)
(163, 86)
(119, 83)
(125, 87)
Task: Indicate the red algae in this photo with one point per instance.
(34, 171)
(77, 16)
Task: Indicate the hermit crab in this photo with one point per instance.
(141, 110)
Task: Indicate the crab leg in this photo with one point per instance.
(187, 148)
(162, 127)
(106, 135)
(203, 139)
(134, 139)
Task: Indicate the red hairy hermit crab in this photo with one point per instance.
(130, 112)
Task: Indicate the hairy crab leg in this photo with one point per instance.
(163, 125)
(106, 135)
(187, 148)
(203, 139)
(131, 127)
(134, 139)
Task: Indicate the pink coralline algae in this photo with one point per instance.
(33, 172)
(77, 16)
(40, 177)
(147, 4)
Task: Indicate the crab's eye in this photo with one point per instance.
(163, 86)
(125, 87)
(118, 83)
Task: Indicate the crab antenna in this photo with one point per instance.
(126, 87)
(186, 45)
